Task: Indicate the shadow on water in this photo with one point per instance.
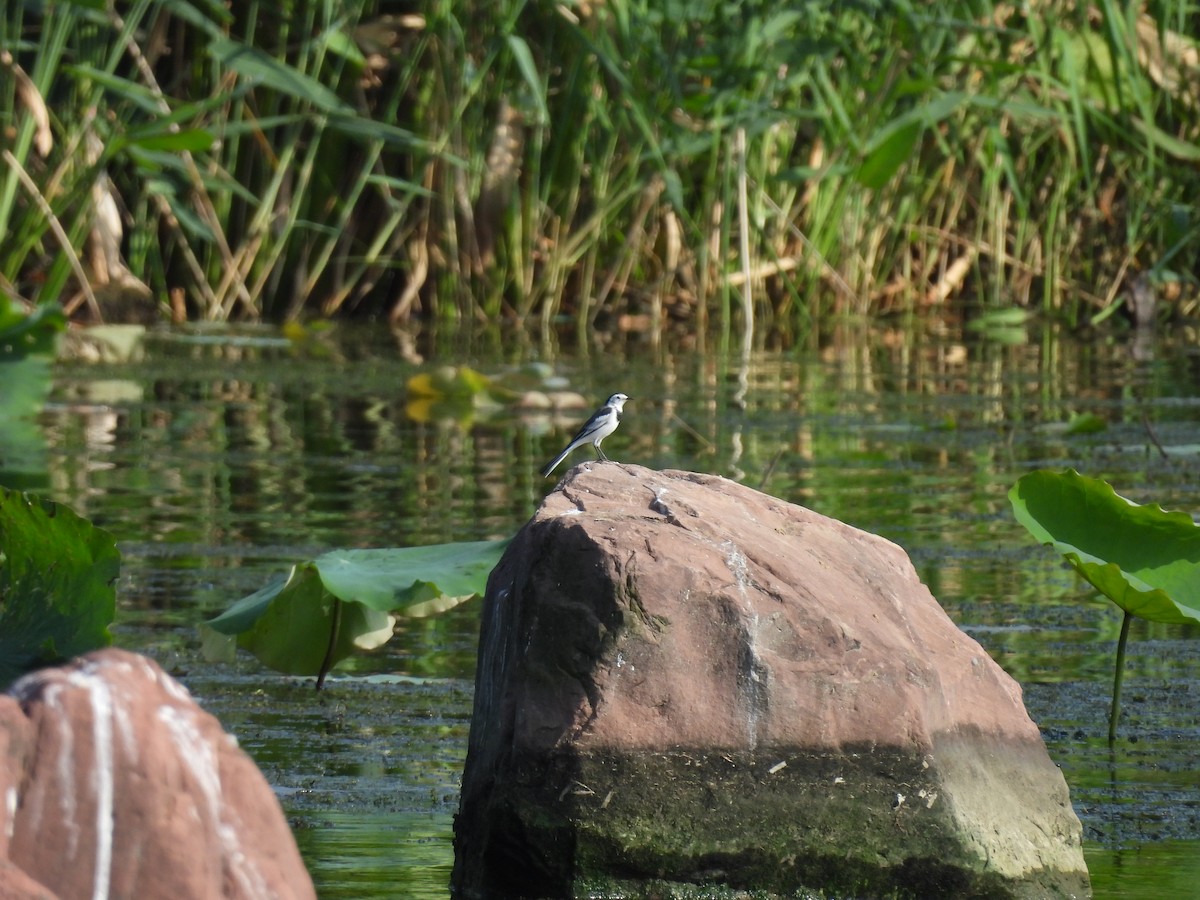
(219, 462)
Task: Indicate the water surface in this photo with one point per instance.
(220, 460)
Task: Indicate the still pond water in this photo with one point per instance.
(219, 459)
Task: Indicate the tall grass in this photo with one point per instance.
(541, 160)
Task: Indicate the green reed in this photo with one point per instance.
(543, 161)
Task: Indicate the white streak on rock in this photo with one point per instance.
(10, 805)
(736, 561)
(52, 700)
(93, 681)
(176, 690)
(201, 757)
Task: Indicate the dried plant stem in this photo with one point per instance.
(64, 242)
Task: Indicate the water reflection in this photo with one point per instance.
(1163, 869)
(365, 854)
(219, 464)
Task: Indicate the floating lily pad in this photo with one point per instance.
(1002, 326)
(1086, 423)
(349, 600)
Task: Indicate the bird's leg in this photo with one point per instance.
(600, 453)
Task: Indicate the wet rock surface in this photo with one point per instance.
(683, 679)
(118, 784)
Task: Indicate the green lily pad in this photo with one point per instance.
(57, 572)
(348, 600)
(1143, 558)
(1002, 326)
(1086, 423)
(290, 624)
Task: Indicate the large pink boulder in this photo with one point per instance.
(685, 681)
(117, 784)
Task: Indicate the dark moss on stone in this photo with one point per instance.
(873, 826)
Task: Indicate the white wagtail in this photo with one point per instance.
(603, 422)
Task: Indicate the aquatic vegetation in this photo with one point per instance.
(24, 334)
(1142, 558)
(57, 576)
(57, 569)
(348, 600)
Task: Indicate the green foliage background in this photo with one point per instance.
(272, 160)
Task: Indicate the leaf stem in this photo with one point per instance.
(1115, 713)
(327, 662)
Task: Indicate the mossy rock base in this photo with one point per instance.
(795, 823)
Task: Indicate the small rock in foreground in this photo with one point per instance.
(119, 785)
